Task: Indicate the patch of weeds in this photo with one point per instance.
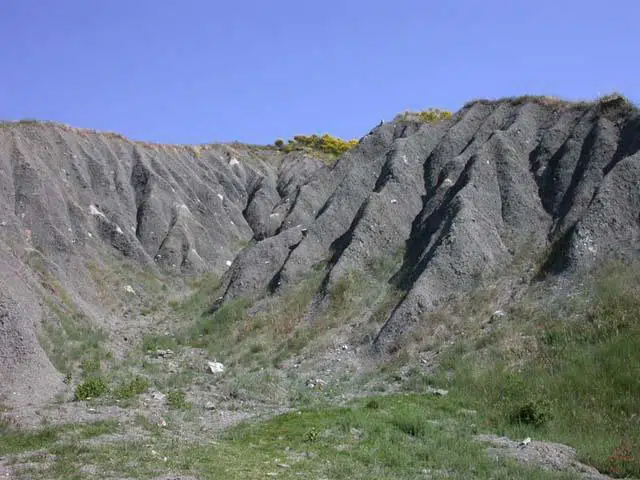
(69, 337)
(569, 369)
(431, 115)
(417, 381)
(93, 387)
(207, 282)
(344, 292)
(329, 146)
(90, 366)
(535, 413)
(411, 422)
(95, 429)
(263, 385)
(177, 400)
(151, 343)
(311, 435)
(372, 404)
(14, 440)
(285, 315)
(215, 329)
(131, 388)
(384, 266)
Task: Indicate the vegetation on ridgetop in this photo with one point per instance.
(326, 144)
(431, 115)
(333, 147)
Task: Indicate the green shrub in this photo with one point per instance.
(177, 400)
(91, 388)
(327, 144)
(535, 413)
(372, 404)
(132, 388)
(431, 115)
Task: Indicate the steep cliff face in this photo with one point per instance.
(458, 198)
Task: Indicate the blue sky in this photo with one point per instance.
(197, 71)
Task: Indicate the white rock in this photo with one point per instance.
(158, 396)
(234, 162)
(228, 262)
(94, 211)
(129, 289)
(215, 367)
(220, 197)
(437, 392)
(525, 442)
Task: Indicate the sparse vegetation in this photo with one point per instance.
(405, 437)
(431, 115)
(177, 400)
(69, 338)
(574, 382)
(93, 387)
(326, 144)
(130, 389)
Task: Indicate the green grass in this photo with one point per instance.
(13, 441)
(579, 386)
(71, 341)
(151, 343)
(403, 437)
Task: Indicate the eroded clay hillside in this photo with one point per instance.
(455, 200)
(73, 198)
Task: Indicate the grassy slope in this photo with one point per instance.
(565, 371)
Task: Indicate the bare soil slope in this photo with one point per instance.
(457, 199)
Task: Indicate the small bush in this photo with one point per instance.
(535, 413)
(431, 115)
(327, 144)
(177, 400)
(91, 388)
(132, 388)
(372, 404)
(279, 143)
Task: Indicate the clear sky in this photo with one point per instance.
(196, 71)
